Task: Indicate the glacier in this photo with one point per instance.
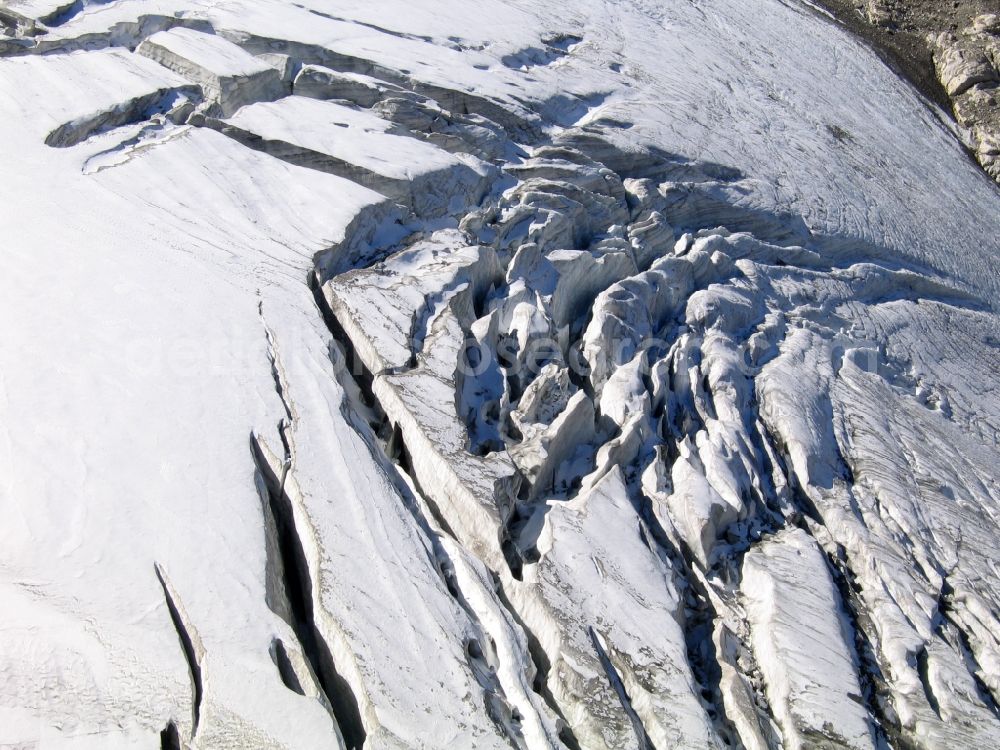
(514, 374)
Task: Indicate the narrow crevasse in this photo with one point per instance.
(647, 462)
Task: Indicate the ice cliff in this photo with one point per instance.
(590, 375)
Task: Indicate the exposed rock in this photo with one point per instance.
(968, 65)
(538, 377)
(951, 51)
(962, 62)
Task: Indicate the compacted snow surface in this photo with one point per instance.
(520, 374)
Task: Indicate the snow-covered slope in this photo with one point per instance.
(499, 374)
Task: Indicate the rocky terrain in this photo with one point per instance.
(950, 50)
(495, 375)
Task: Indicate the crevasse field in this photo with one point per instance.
(436, 374)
